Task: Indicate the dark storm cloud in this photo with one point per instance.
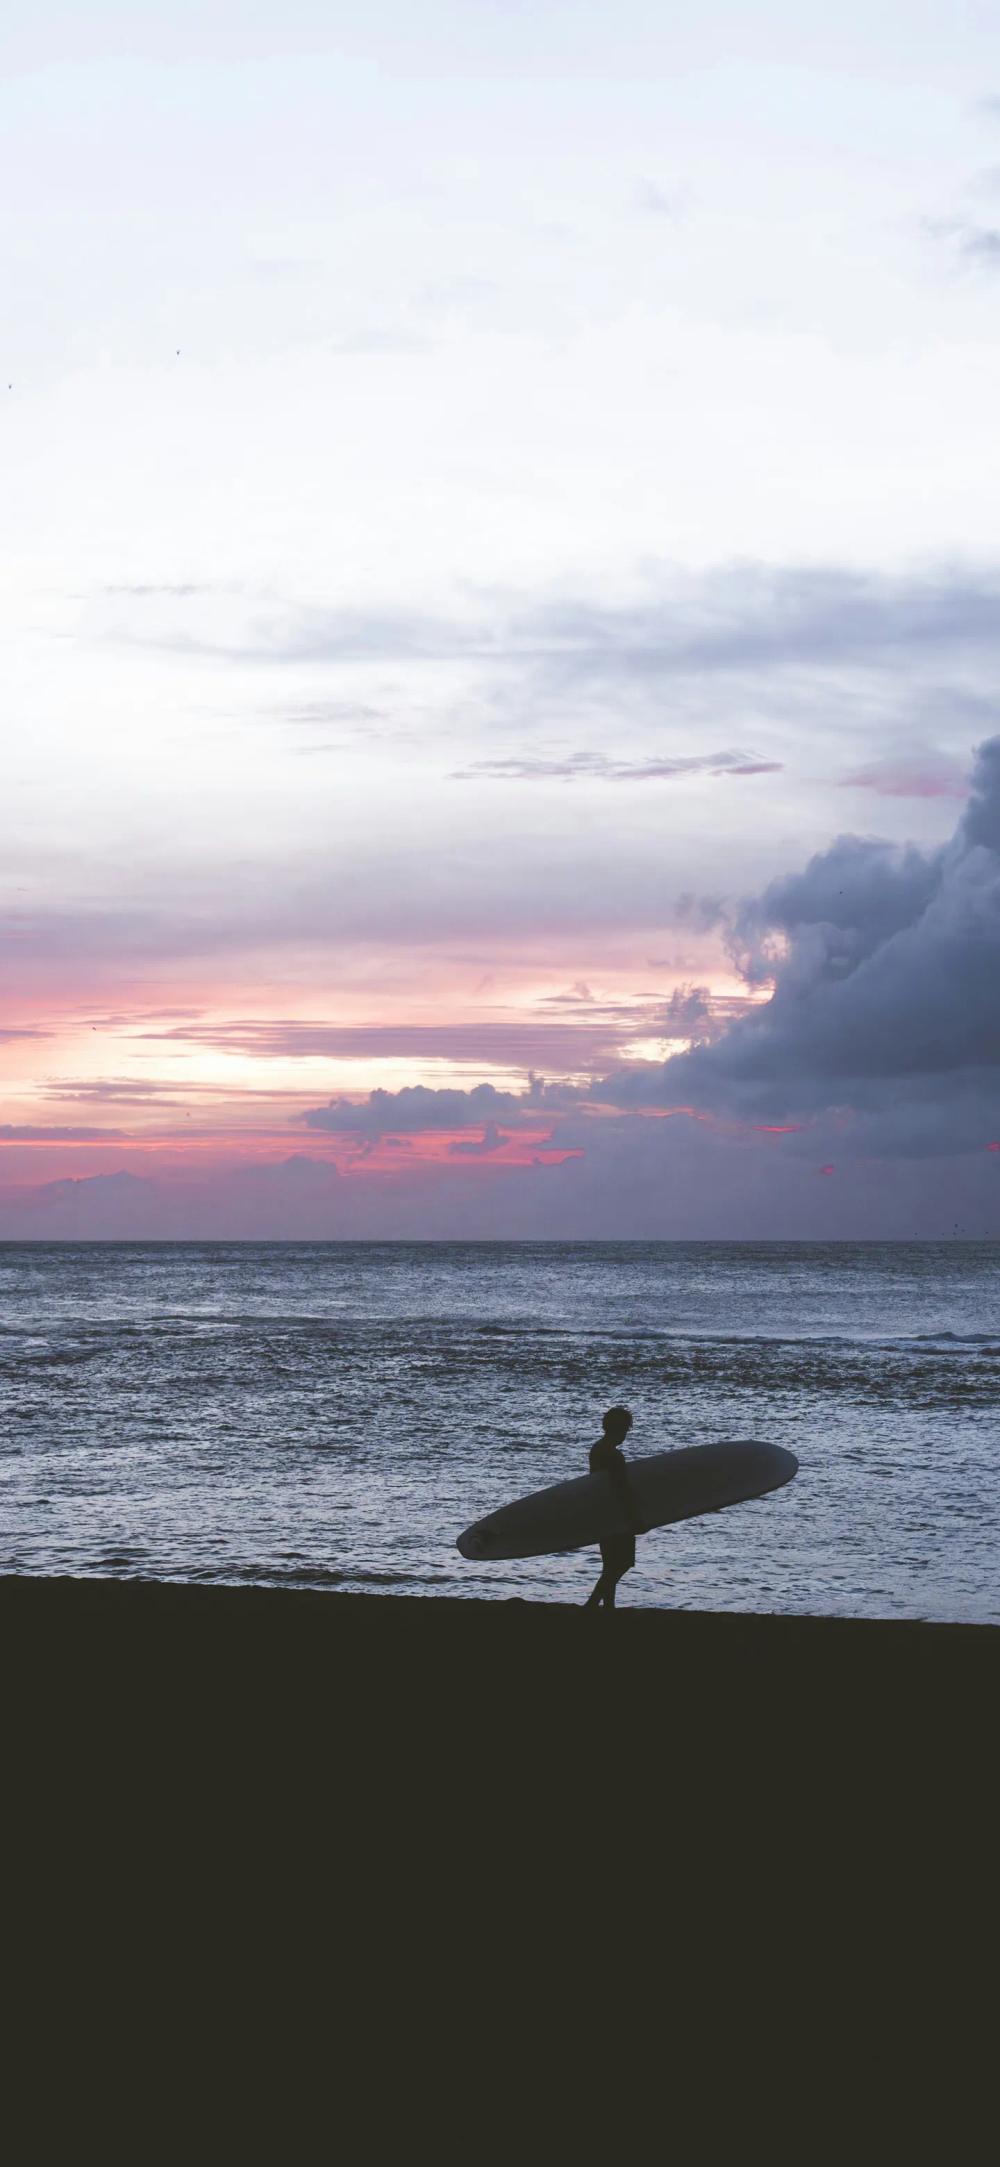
(886, 1002)
(981, 826)
(859, 892)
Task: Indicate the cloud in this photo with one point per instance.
(658, 202)
(388, 882)
(297, 1171)
(981, 826)
(732, 618)
(884, 1015)
(720, 671)
(119, 1092)
(491, 1140)
(323, 714)
(418, 1108)
(914, 775)
(28, 1134)
(120, 1184)
(749, 615)
(604, 696)
(975, 244)
(981, 244)
(462, 292)
(380, 342)
(519, 1040)
(92, 1207)
(226, 621)
(589, 765)
(637, 1178)
(296, 1199)
(282, 270)
(688, 1011)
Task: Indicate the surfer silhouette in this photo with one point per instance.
(617, 1551)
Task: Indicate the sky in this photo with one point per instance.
(501, 610)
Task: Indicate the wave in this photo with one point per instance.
(968, 1339)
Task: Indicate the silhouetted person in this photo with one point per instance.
(617, 1551)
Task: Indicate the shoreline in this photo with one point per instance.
(445, 1679)
(94, 1593)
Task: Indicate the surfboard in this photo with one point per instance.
(668, 1486)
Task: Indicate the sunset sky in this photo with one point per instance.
(501, 606)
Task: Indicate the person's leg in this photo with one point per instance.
(598, 1595)
(612, 1580)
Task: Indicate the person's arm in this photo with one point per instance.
(618, 1470)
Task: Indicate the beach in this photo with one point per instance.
(453, 1875)
(412, 1718)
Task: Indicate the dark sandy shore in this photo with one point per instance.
(397, 1710)
(514, 1856)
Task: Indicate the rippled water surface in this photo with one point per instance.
(334, 1414)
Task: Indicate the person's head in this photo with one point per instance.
(616, 1424)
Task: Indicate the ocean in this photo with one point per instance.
(332, 1415)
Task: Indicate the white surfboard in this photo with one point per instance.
(667, 1486)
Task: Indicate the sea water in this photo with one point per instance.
(331, 1415)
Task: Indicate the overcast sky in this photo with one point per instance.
(500, 598)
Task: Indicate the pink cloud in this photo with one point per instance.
(30, 1133)
(933, 775)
